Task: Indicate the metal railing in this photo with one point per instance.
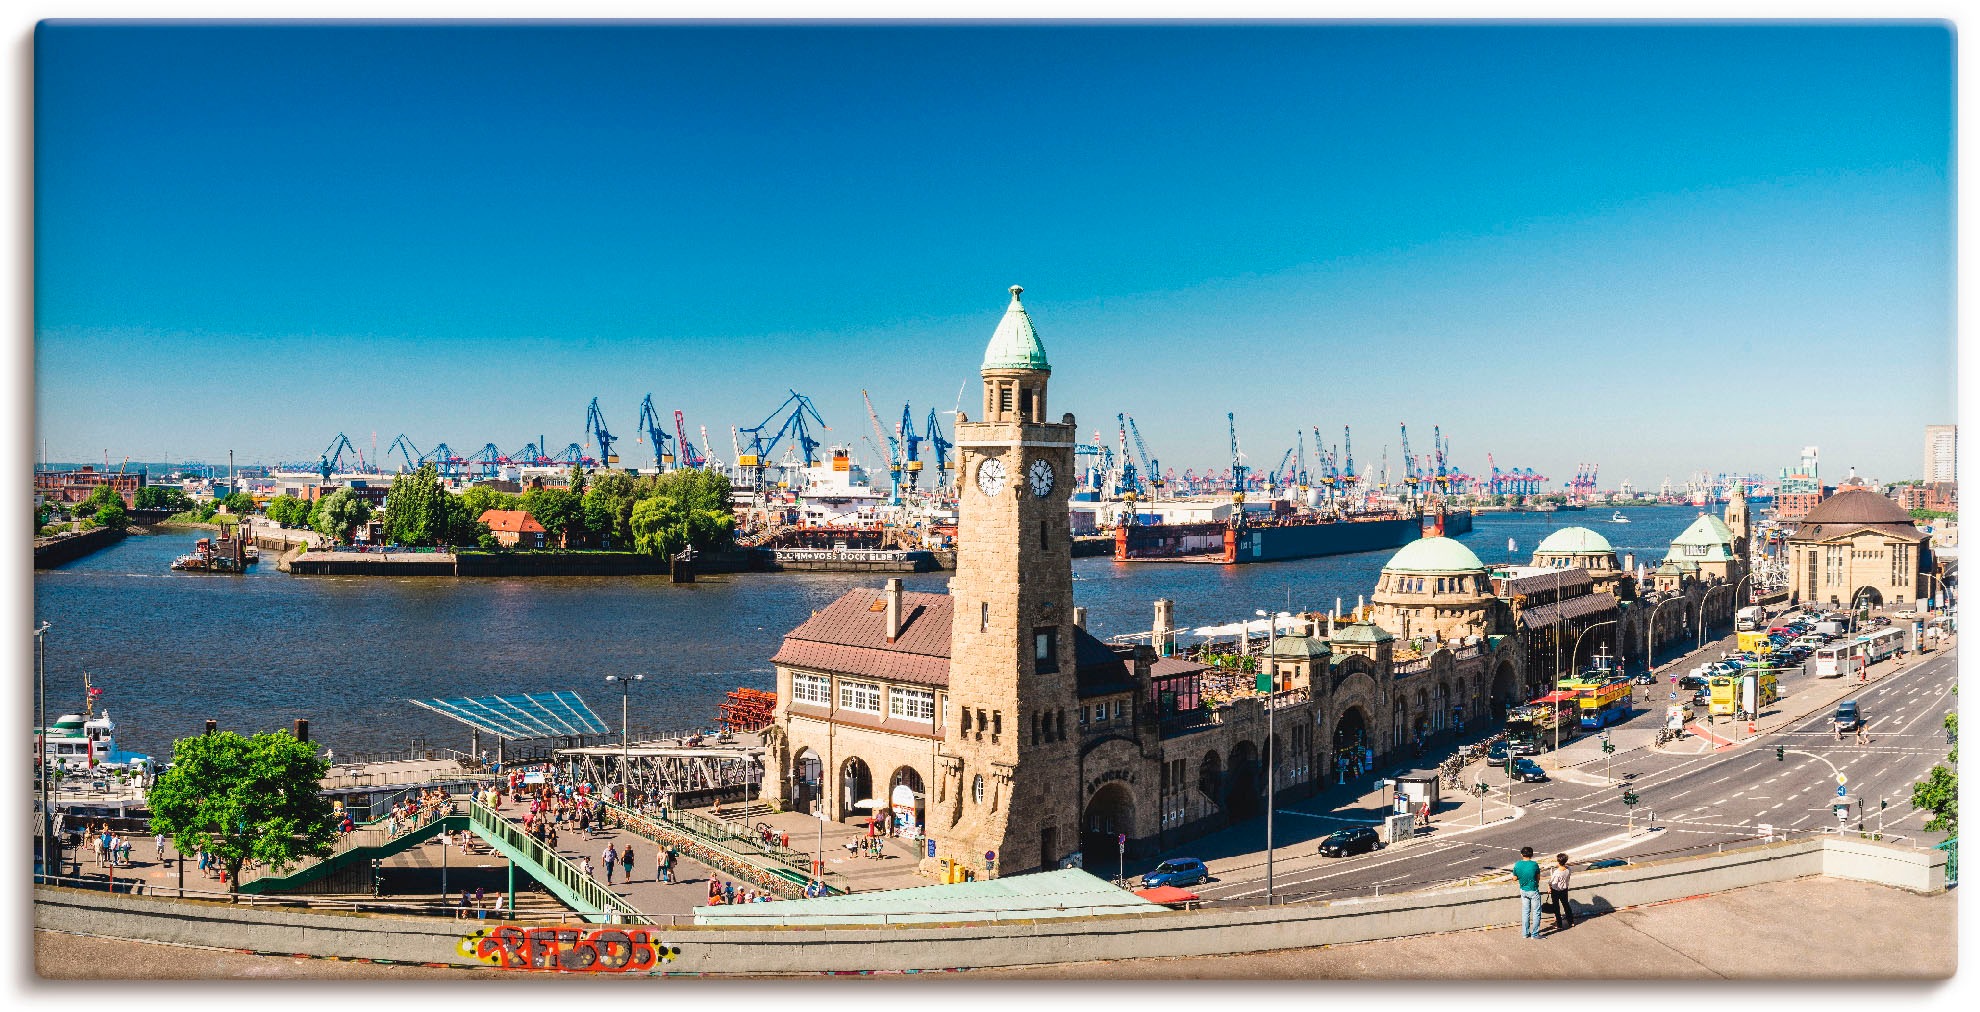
(491, 825)
(721, 847)
(1951, 847)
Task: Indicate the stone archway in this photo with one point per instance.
(855, 786)
(1869, 596)
(1353, 733)
(1244, 798)
(907, 796)
(1210, 779)
(1108, 817)
(1505, 690)
(807, 780)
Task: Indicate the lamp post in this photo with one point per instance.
(1271, 684)
(625, 740)
(41, 748)
(1650, 648)
(1702, 599)
(1572, 654)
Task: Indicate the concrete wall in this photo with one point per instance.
(50, 553)
(1217, 930)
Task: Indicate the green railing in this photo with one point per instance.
(367, 841)
(739, 839)
(567, 880)
(1951, 847)
(719, 847)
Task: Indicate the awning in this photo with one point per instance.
(1557, 696)
(518, 718)
(1166, 895)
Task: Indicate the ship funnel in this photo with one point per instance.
(893, 609)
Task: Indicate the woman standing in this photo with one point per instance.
(1557, 889)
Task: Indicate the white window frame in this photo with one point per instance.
(812, 690)
(911, 704)
(859, 697)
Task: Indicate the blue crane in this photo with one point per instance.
(911, 445)
(794, 427)
(594, 425)
(443, 459)
(933, 433)
(406, 450)
(1281, 476)
(1151, 469)
(1237, 467)
(1437, 455)
(333, 455)
(1410, 477)
(653, 431)
(1130, 475)
(487, 461)
(1347, 447)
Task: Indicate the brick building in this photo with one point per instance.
(514, 528)
(68, 487)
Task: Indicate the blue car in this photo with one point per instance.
(1180, 871)
(1496, 755)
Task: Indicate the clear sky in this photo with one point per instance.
(1656, 248)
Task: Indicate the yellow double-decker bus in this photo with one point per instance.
(1732, 694)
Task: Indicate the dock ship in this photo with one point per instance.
(1281, 535)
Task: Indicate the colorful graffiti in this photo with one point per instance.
(568, 950)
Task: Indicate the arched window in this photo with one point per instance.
(976, 788)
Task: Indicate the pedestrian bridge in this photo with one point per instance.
(374, 841)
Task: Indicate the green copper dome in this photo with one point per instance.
(1015, 345)
(1573, 541)
(1434, 555)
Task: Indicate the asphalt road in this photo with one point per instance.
(1700, 801)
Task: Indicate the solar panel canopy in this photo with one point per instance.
(531, 715)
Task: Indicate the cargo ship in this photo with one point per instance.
(1279, 536)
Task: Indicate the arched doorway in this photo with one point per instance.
(807, 780)
(1108, 817)
(906, 800)
(1351, 740)
(1246, 796)
(1505, 691)
(1866, 596)
(855, 786)
(1210, 779)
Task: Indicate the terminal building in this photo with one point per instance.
(1858, 547)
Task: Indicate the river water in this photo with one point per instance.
(256, 650)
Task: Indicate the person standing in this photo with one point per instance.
(158, 844)
(1557, 888)
(626, 858)
(1527, 872)
(611, 862)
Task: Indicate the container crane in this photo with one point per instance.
(331, 461)
(943, 463)
(892, 456)
(652, 430)
(1237, 470)
(756, 453)
(487, 461)
(1410, 477)
(690, 457)
(594, 425)
(406, 450)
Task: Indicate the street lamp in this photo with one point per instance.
(625, 741)
(1271, 687)
(41, 748)
(1572, 654)
(1650, 648)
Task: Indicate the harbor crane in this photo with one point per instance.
(331, 461)
(690, 457)
(1238, 470)
(1442, 476)
(487, 461)
(1410, 477)
(756, 454)
(1347, 451)
(594, 424)
(444, 460)
(944, 464)
(892, 456)
(652, 430)
(910, 447)
(1130, 475)
(407, 451)
(1151, 469)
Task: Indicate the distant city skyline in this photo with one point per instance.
(1656, 249)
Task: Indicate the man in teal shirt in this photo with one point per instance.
(1527, 871)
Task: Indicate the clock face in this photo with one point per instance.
(1040, 475)
(990, 477)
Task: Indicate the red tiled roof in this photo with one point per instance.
(1169, 667)
(511, 521)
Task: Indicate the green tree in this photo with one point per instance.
(559, 511)
(244, 797)
(287, 510)
(162, 497)
(239, 504)
(1938, 793)
(480, 499)
(112, 514)
(685, 508)
(577, 481)
(340, 513)
(102, 496)
(418, 509)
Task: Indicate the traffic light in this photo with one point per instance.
(1608, 746)
(1629, 797)
(1780, 753)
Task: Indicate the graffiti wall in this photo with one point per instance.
(629, 949)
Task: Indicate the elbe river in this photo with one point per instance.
(257, 650)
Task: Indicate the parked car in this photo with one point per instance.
(1496, 755)
(1529, 772)
(1607, 862)
(1644, 678)
(1907, 613)
(1703, 697)
(1693, 681)
(1343, 842)
(1848, 716)
(1177, 871)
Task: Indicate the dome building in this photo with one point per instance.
(1858, 546)
(1435, 589)
(1581, 548)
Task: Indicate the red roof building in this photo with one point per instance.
(514, 528)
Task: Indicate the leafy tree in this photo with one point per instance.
(1938, 793)
(244, 797)
(558, 510)
(102, 496)
(340, 513)
(577, 482)
(608, 507)
(686, 508)
(162, 497)
(479, 500)
(418, 509)
(287, 510)
(239, 504)
(112, 514)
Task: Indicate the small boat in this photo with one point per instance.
(1512, 546)
(1618, 518)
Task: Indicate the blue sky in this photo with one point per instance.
(1641, 246)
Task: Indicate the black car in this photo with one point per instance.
(1692, 682)
(1528, 771)
(1496, 755)
(1341, 843)
(1848, 716)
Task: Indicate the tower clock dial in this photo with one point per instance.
(1040, 475)
(990, 477)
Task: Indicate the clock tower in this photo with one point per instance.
(1006, 766)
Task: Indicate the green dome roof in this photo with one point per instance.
(1300, 646)
(1434, 555)
(1015, 345)
(1574, 541)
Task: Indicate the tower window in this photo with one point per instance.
(1024, 403)
(1042, 543)
(1046, 650)
(977, 788)
(985, 626)
(1004, 399)
(996, 723)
